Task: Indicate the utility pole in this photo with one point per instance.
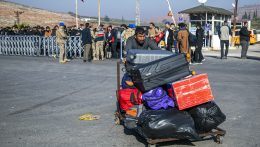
(17, 15)
(234, 22)
(98, 12)
(137, 13)
(77, 23)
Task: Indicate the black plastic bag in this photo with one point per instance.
(170, 123)
(207, 116)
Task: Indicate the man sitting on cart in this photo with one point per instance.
(140, 41)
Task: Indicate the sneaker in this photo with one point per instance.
(203, 59)
(62, 62)
(194, 63)
(199, 63)
(67, 60)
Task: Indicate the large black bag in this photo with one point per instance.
(192, 39)
(159, 72)
(139, 56)
(207, 116)
(170, 123)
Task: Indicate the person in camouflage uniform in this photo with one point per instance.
(61, 37)
(99, 39)
(93, 44)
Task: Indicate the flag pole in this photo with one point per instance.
(77, 25)
(170, 9)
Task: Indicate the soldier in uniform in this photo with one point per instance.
(99, 39)
(93, 44)
(61, 37)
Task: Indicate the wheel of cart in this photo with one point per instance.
(217, 134)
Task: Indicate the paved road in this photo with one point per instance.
(41, 100)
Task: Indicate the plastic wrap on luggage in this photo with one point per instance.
(139, 56)
(170, 123)
(207, 116)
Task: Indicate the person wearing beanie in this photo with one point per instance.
(183, 39)
(61, 38)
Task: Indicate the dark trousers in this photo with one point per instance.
(169, 46)
(222, 43)
(175, 47)
(244, 45)
(114, 51)
(198, 57)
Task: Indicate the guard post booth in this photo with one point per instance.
(211, 19)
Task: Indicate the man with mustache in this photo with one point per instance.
(140, 41)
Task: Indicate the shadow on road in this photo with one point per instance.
(143, 140)
(248, 58)
(47, 102)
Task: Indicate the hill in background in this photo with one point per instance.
(35, 16)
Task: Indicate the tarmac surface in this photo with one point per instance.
(41, 101)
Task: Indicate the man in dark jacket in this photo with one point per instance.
(168, 36)
(114, 43)
(198, 57)
(86, 42)
(140, 41)
(244, 40)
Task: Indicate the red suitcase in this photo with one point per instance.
(192, 91)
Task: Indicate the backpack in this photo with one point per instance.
(128, 33)
(129, 97)
(192, 39)
(159, 37)
(157, 99)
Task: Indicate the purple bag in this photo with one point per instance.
(157, 99)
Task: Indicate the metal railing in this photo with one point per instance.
(38, 46)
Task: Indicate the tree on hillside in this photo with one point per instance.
(254, 15)
(244, 16)
(106, 18)
(249, 16)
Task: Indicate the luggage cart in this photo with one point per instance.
(217, 134)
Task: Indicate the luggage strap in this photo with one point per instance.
(133, 99)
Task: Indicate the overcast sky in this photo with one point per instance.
(126, 8)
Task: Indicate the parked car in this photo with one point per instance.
(253, 37)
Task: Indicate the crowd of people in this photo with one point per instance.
(101, 42)
(38, 30)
